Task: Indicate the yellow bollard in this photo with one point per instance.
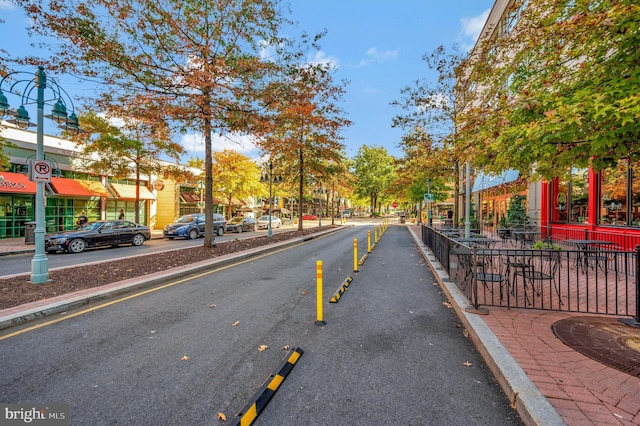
(369, 241)
(319, 320)
(375, 234)
(355, 255)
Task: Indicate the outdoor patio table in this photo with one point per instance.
(585, 247)
(525, 237)
(485, 242)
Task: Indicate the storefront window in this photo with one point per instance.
(579, 195)
(613, 202)
(635, 194)
(561, 199)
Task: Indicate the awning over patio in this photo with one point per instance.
(487, 181)
(78, 188)
(16, 183)
(129, 192)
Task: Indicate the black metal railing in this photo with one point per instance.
(573, 277)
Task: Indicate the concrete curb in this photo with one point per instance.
(525, 397)
(56, 305)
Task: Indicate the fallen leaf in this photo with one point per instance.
(262, 348)
(212, 306)
(467, 364)
(184, 358)
(237, 323)
(465, 333)
(285, 348)
(304, 293)
(222, 417)
(447, 304)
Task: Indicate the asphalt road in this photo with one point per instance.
(391, 351)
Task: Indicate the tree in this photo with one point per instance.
(236, 175)
(431, 110)
(374, 171)
(556, 88)
(303, 131)
(112, 150)
(199, 64)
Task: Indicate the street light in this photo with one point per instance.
(271, 179)
(320, 191)
(39, 263)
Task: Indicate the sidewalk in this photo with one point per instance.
(581, 390)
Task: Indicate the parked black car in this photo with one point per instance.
(97, 234)
(240, 224)
(192, 226)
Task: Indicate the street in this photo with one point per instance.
(391, 351)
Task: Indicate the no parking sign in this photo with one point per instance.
(39, 171)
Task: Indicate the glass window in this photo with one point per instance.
(561, 203)
(613, 201)
(579, 195)
(635, 194)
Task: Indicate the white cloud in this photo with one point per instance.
(373, 55)
(193, 143)
(471, 27)
(321, 58)
(7, 5)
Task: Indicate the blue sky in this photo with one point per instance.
(375, 44)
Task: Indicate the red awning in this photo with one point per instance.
(79, 188)
(16, 183)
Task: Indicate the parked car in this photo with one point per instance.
(219, 224)
(98, 234)
(346, 213)
(263, 222)
(309, 217)
(241, 224)
(186, 226)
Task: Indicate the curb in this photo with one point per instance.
(343, 287)
(258, 403)
(525, 397)
(63, 303)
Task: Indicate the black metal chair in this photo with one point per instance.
(542, 266)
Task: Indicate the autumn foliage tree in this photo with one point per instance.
(304, 126)
(130, 147)
(429, 116)
(198, 64)
(555, 87)
(374, 172)
(236, 176)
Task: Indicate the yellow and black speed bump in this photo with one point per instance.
(252, 410)
(336, 296)
(363, 259)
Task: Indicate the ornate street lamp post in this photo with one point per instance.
(320, 191)
(271, 179)
(40, 172)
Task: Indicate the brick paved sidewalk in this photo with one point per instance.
(583, 391)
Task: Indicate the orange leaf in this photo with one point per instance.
(222, 417)
(237, 323)
(262, 348)
(185, 358)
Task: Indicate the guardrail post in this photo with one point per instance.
(319, 319)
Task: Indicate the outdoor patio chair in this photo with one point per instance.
(540, 267)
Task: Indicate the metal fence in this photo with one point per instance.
(587, 277)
